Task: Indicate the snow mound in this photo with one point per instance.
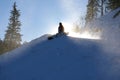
(63, 58)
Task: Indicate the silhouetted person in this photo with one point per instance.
(60, 32)
(60, 28)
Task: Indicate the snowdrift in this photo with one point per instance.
(62, 58)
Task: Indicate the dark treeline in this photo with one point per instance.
(95, 10)
(12, 38)
(98, 8)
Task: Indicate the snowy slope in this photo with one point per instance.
(63, 58)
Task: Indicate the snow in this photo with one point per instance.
(110, 26)
(67, 58)
(110, 30)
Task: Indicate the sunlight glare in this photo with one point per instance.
(68, 29)
(84, 34)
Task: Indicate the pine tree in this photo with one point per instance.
(102, 6)
(12, 38)
(1, 50)
(92, 10)
(113, 4)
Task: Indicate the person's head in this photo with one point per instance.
(60, 23)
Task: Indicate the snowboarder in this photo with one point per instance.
(60, 32)
(60, 28)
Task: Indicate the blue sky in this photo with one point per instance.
(39, 17)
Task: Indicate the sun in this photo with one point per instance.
(68, 27)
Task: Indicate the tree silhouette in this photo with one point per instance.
(12, 38)
(113, 4)
(92, 9)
